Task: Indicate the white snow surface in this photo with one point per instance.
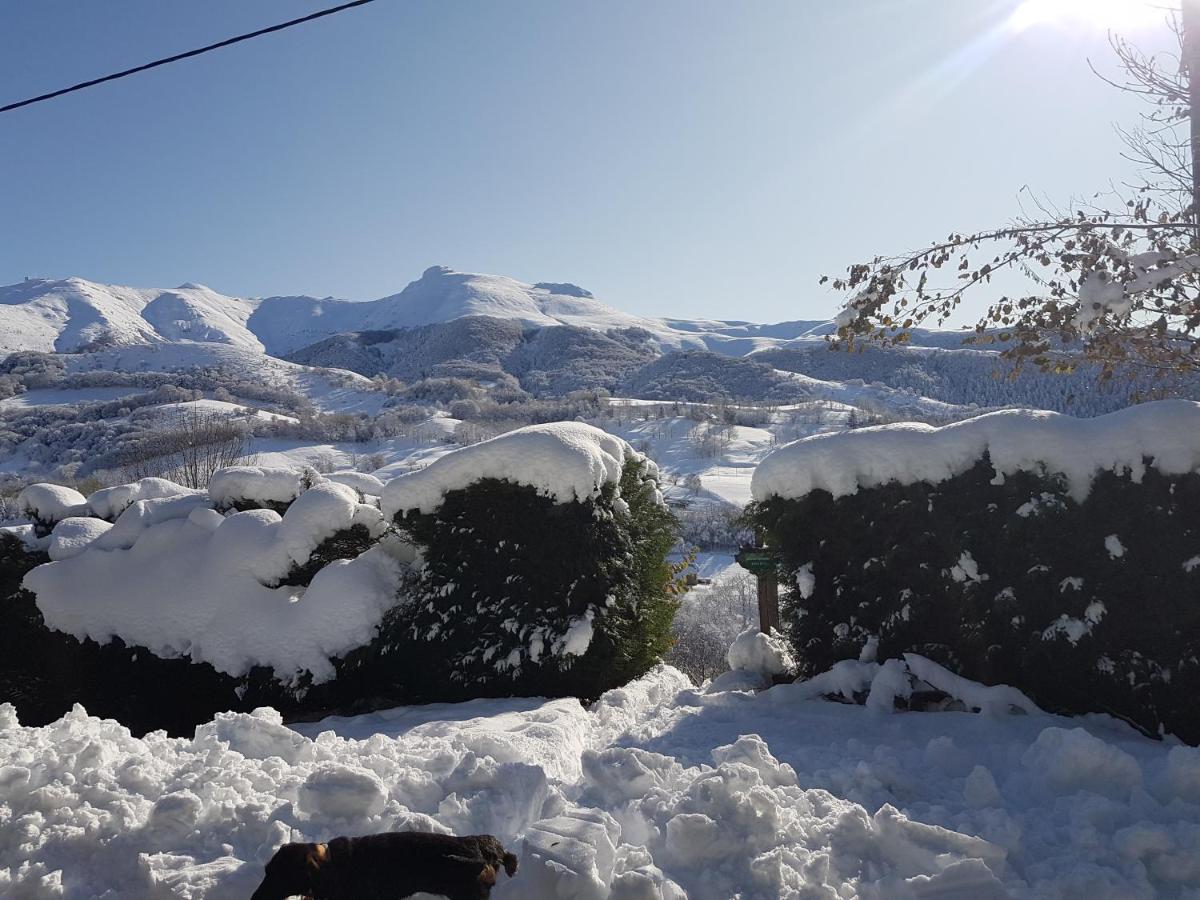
(366, 484)
(180, 579)
(564, 461)
(1166, 431)
(72, 535)
(51, 502)
(658, 792)
(259, 484)
(110, 502)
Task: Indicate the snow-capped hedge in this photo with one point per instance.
(47, 504)
(1057, 558)
(563, 461)
(544, 563)
(196, 583)
(249, 487)
(1165, 434)
(184, 605)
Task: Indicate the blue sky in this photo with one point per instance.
(676, 157)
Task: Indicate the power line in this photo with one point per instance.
(179, 56)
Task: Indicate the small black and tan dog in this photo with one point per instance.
(387, 867)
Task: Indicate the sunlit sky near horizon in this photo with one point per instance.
(687, 158)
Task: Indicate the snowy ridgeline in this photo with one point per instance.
(1166, 432)
(660, 791)
(175, 571)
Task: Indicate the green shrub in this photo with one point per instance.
(1087, 607)
(506, 574)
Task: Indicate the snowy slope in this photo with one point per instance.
(286, 324)
(70, 314)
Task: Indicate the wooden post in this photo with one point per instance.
(768, 602)
(761, 562)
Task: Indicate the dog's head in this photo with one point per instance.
(292, 871)
(484, 868)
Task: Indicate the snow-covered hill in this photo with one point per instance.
(71, 314)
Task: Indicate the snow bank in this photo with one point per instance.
(564, 461)
(108, 503)
(257, 484)
(1166, 431)
(657, 792)
(178, 578)
(50, 503)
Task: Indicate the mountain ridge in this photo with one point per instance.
(73, 314)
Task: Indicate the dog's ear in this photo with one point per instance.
(510, 864)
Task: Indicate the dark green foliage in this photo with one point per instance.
(557, 562)
(889, 561)
(345, 544)
(506, 569)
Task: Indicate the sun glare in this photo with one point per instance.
(1116, 14)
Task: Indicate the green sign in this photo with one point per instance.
(757, 560)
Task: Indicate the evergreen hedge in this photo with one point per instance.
(1086, 606)
(506, 570)
(500, 563)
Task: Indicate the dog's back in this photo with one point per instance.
(394, 865)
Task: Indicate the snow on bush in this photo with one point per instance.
(178, 578)
(564, 461)
(655, 793)
(1166, 433)
(1060, 578)
(366, 484)
(46, 504)
(555, 585)
(108, 503)
(73, 534)
(238, 486)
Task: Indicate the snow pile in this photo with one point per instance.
(1167, 432)
(110, 502)
(564, 461)
(257, 484)
(50, 503)
(763, 654)
(657, 793)
(177, 577)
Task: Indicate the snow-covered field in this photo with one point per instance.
(660, 790)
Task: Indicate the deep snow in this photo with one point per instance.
(659, 789)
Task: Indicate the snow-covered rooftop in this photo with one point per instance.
(1166, 432)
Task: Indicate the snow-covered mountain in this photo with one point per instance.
(72, 314)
